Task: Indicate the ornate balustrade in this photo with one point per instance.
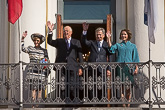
(60, 86)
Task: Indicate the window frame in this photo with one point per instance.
(60, 10)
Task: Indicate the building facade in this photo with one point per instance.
(126, 14)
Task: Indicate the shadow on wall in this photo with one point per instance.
(141, 86)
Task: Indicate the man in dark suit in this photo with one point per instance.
(68, 51)
(98, 53)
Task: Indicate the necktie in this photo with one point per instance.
(99, 46)
(67, 43)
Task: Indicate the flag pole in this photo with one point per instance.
(46, 35)
(149, 50)
(151, 19)
(14, 12)
(21, 73)
(46, 23)
(149, 73)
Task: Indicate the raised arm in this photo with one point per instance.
(50, 34)
(109, 38)
(50, 26)
(84, 34)
(24, 49)
(23, 36)
(85, 26)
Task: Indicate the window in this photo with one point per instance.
(86, 9)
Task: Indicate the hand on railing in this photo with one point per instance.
(136, 70)
(80, 72)
(108, 73)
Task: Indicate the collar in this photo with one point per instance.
(100, 41)
(38, 48)
(68, 40)
(128, 42)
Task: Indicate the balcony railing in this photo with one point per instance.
(60, 86)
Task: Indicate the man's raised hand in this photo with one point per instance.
(85, 26)
(50, 25)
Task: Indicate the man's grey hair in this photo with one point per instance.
(100, 29)
(69, 28)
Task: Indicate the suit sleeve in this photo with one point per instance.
(85, 41)
(80, 52)
(51, 42)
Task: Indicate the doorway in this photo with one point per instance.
(77, 32)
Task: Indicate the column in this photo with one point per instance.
(4, 32)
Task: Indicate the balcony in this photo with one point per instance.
(61, 87)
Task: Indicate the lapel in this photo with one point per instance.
(96, 46)
(65, 45)
(104, 46)
(71, 44)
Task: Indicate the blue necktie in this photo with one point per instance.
(67, 43)
(99, 46)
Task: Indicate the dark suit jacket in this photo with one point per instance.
(67, 56)
(95, 55)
